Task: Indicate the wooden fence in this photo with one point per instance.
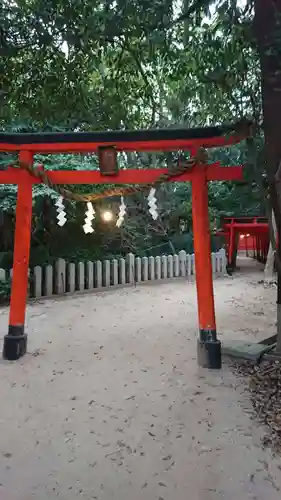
(68, 277)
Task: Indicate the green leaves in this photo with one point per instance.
(53, 54)
(85, 65)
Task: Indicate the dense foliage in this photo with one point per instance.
(73, 65)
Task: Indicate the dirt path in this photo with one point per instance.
(110, 404)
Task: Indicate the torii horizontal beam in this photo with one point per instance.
(130, 176)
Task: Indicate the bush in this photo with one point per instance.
(5, 291)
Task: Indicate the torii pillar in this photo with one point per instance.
(208, 346)
(15, 342)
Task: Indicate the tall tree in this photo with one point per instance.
(258, 25)
(267, 27)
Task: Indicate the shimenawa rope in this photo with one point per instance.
(42, 175)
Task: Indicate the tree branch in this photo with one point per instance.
(145, 79)
(195, 7)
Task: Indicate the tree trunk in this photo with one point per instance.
(269, 272)
(268, 35)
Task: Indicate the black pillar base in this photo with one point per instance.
(209, 354)
(15, 343)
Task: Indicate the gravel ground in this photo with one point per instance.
(109, 402)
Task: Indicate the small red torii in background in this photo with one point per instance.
(245, 233)
(28, 144)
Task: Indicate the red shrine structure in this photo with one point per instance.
(27, 145)
(245, 233)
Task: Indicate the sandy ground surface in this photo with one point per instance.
(110, 404)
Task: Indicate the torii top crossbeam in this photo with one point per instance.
(124, 140)
(28, 144)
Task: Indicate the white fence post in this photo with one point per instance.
(158, 268)
(193, 269)
(81, 276)
(189, 265)
(98, 274)
(138, 264)
(2, 275)
(176, 266)
(37, 289)
(122, 271)
(214, 263)
(106, 273)
(164, 267)
(144, 269)
(71, 280)
(170, 266)
(114, 266)
(131, 268)
(182, 259)
(60, 276)
(151, 268)
(48, 282)
(89, 275)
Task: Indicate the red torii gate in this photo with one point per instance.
(233, 227)
(28, 144)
